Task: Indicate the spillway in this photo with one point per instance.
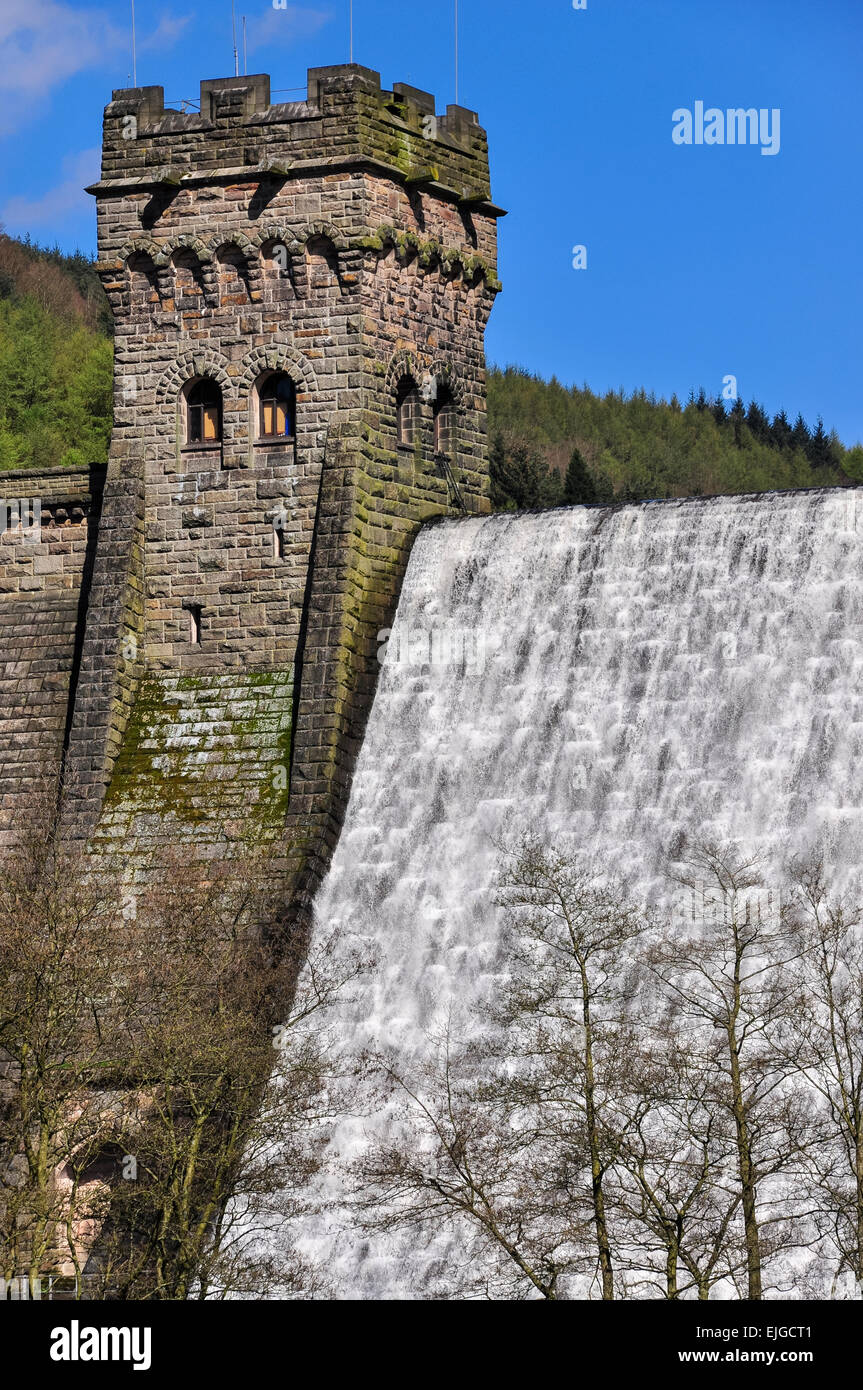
(622, 677)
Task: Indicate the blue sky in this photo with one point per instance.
(702, 261)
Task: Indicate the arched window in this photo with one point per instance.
(444, 410)
(278, 407)
(204, 412)
(408, 413)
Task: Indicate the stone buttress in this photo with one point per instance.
(340, 253)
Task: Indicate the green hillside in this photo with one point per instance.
(55, 359)
(630, 447)
(549, 444)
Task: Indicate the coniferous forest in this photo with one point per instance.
(551, 445)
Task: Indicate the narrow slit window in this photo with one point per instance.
(195, 626)
(278, 539)
(408, 413)
(443, 422)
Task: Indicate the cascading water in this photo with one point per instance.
(623, 677)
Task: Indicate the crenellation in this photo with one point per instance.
(300, 293)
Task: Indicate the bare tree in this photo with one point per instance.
(454, 1166)
(61, 948)
(827, 1043)
(226, 1127)
(149, 1127)
(518, 1138)
(676, 1174)
(571, 986)
(729, 979)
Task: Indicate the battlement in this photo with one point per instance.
(300, 292)
(347, 121)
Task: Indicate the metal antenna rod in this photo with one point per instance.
(456, 52)
(245, 50)
(351, 10)
(134, 54)
(234, 31)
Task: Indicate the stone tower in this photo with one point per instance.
(300, 293)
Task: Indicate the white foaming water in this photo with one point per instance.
(629, 676)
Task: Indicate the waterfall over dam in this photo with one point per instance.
(623, 678)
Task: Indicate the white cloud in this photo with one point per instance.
(280, 28)
(45, 42)
(169, 29)
(65, 199)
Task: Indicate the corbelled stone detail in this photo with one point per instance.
(348, 241)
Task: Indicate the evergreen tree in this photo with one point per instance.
(820, 450)
(738, 418)
(521, 479)
(605, 489)
(758, 423)
(800, 435)
(651, 449)
(852, 464)
(781, 433)
(10, 449)
(497, 467)
(578, 485)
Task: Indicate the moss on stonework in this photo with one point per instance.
(450, 257)
(172, 760)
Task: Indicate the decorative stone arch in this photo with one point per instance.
(379, 243)
(194, 246)
(188, 242)
(380, 238)
(445, 394)
(442, 370)
(403, 363)
(405, 408)
(432, 257)
(328, 232)
(231, 237)
(278, 359)
(187, 366)
(194, 362)
(144, 246)
(334, 247)
(290, 237)
(382, 258)
(280, 234)
(283, 358)
(249, 254)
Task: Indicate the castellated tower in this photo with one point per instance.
(300, 293)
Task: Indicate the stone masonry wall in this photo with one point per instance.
(44, 576)
(350, 242)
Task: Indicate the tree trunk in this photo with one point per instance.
(672, 1251)
(747, 1178)
(596, 1170)
(858, 1173)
